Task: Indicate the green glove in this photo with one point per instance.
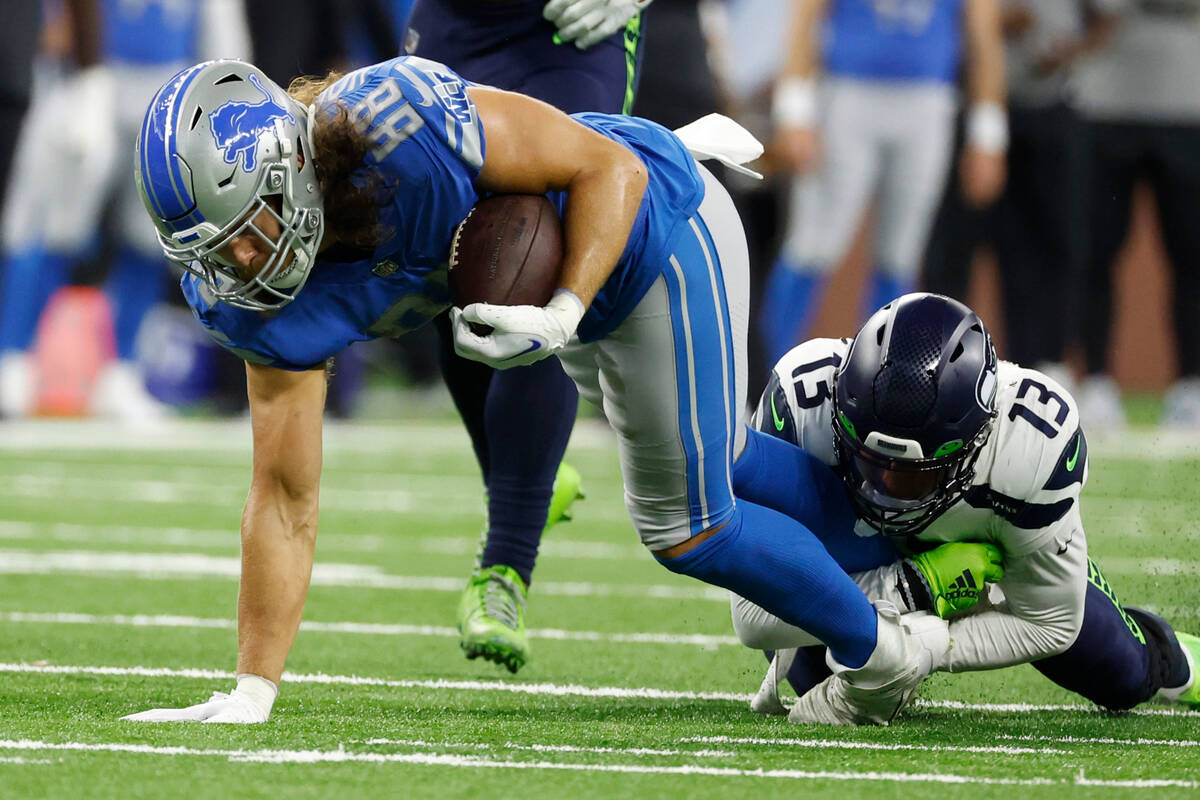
(955, 574)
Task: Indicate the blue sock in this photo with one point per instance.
(884, 288)
(788, 306)
(528, 419)
(135, 283)
(29, 278)
(774, 561)
(779, 475)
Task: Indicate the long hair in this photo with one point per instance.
(354, 192)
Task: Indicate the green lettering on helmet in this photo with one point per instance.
(948, 448)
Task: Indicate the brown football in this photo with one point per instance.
(508, 251)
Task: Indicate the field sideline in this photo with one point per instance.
(118, 567)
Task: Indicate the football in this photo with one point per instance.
(508, 251)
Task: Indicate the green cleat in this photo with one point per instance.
(491, 611)
(566, 492)
(491, 617)
(1191, 650)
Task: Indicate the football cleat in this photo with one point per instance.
(766, 700)
(491, 617)
(1190, 696)
(907, 649)
(566, 491)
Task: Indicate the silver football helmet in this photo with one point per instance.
(220, 144)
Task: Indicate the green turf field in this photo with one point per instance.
(118, 565)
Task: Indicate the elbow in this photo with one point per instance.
(634, 177)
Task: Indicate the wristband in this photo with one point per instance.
(987, 127)
(258, 690)
(794, 104)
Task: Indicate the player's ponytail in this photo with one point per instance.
(354, 192)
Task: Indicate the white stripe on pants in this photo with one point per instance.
(672, 379)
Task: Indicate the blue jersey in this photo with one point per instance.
(429, 146)
(150, 31)
(894, 40)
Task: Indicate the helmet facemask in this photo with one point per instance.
(902, 496)
(222, 150)
(291, 255)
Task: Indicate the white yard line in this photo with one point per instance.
(342, 755)
(704, 641)
(1102, 740)
(542, 689)
(177, 536)
(553, 748)
(198, 566)
(852, 745)
(234, 436)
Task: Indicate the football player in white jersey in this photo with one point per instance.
(948, 458)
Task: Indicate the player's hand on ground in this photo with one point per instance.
(798, 149)
(956, 574)
(235, 707)
(586, 22)
(520, 335)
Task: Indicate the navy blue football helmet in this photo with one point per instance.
(914, 400)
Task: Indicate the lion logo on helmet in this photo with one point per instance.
(236, 126)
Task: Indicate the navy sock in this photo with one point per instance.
(528, 419)
(807, 670)
(884, 288)
(135, 283)
(775, 562)
(779, 475)
(788, 307)
(28, 280)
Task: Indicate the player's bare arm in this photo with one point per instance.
(279, 524)
(534, 148)
(794, 107)
(983, 162)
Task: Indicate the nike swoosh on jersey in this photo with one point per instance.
(1074, 456)
(779, 421)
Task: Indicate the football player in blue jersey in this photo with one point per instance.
(973, 469)
(73, 151)
(576, 55)
(311, 220)
(864, 111)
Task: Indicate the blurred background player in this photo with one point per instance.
(1141, 98)
(73, 161)
(933, 441)
(577, 55)
(1036, 226)
(865, 110)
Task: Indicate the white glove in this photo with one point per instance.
(588, 21)
(248, 704)
(520, 335)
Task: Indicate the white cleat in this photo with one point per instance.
(16, 384)
(907, 649)
(1181, 404)
(120, 393)
(1100, 405)
(766, 700)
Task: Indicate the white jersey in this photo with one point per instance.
(1024, 498)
